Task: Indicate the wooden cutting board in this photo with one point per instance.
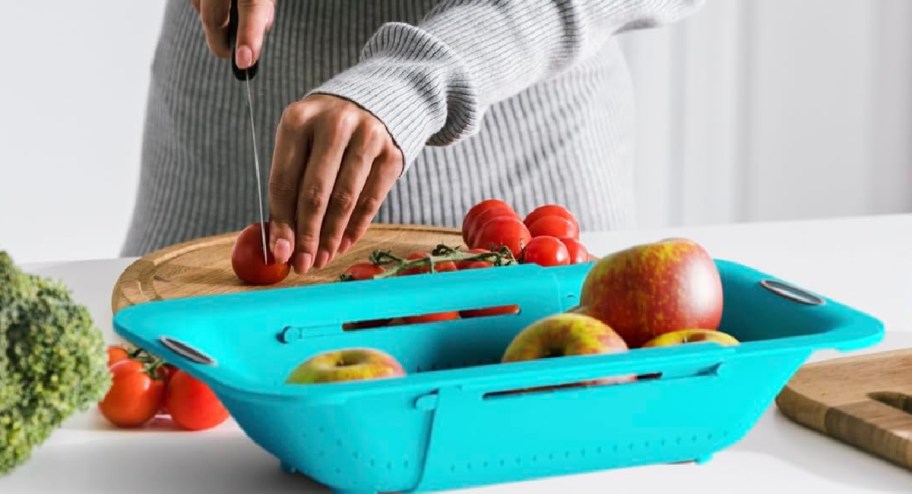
(863, 401)
(203, 266)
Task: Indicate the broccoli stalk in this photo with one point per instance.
(53, 361)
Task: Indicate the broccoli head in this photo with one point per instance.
(53, 361)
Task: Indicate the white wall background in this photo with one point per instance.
(750, 111)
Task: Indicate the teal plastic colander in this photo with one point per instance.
(447, 424)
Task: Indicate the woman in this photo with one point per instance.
(400, 111)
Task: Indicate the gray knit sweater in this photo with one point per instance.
(525, 100)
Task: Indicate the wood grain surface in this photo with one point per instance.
(203, 266)
(863, 401)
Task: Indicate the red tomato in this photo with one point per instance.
(475, 264)
(116, 353)
(546, 251)
(192, 404)
(164, 373)
(463, 264)
(469, 219)
(504, 231)
(440, 267)
(483, 219)
(363, 270)
(492, 311)
(247, 259)
(550, 210)
(554, 226)
(578, 252)
(439, 316)
(134, 396)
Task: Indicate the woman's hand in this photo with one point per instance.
(334, 164)
(255, 18)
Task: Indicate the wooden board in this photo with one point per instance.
(863, 401)
(203, 266)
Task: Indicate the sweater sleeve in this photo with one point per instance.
(431, 83)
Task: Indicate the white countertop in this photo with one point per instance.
(863, 262)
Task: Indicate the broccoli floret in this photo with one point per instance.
(53, 361)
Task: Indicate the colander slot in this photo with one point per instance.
(608, 381)
(428, 317)
(600, 383)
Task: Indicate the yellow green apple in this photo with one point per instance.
(566, 334)
(352, 364)
(684, 336)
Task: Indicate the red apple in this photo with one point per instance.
(352, 364)
(566, 334)
(651, 289)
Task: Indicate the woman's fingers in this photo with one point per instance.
(332, 132)
(214, 16)
(383, 175)
(292, 145)
(333, 165)
(363, 148)
(254, 19)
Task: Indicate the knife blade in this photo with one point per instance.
(245, 75)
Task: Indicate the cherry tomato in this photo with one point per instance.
(116, 353)
(247, 259)
(469, 219)
(483, 219)
(546, 251)
(438, 316)
(363, 270)
(164, 373)
(192, 404)
(578, 252)
(134, 396)
(550, 210)
(464, 264)
(554, 226)
(440, 267)
(504, 231)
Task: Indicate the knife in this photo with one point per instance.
(245, 75)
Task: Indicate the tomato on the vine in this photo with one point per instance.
(554, 226)
(439, 267)
(192, 404)
(247, 259)
(468, 222)
(576, 249)
(165, 372)
(363, 271)
(134, 397)
(546, 251)
(550, 210)
(116, 353)
(504, 231)
(467, 263)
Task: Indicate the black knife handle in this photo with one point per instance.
(232, 39)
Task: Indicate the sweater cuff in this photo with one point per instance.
(420, 97)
